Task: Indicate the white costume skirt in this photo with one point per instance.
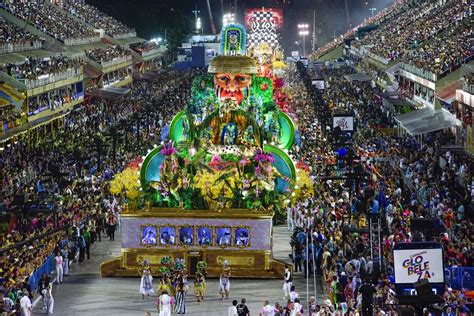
(146, 285)
(224, 284)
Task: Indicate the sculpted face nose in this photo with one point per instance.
(232, 86)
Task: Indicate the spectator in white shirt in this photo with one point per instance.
(25, 304)
(267, 309)
(233, 309)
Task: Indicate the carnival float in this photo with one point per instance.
(212, 191)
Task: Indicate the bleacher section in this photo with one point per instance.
(417, 53)
(410, 29)
(380, 18)
(54, 22)
(53, 56)
(14, 38)
(442, 54)
(92, 16)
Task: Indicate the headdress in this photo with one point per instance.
(233, 58)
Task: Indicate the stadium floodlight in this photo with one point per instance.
(228, 18)
(198, 20)
(157, 40)
(198, 25)
(303, 27)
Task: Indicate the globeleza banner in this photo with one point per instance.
(413, 265)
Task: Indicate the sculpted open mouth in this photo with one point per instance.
(228, 94)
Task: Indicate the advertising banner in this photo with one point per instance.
(413, 265)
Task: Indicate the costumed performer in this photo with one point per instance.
(180, 290)
(146, 286)
(224, 281)
(164, 303)
(287, 282)
(164, 285)
(199, 287)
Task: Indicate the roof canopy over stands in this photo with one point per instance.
(426, 120)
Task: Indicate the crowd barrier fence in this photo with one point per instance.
(18, 47)
(459, 277)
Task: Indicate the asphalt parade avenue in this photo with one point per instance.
(85, 293)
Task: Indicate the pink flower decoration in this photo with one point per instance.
(262, 157)
(168, 149)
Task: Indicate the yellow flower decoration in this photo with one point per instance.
(127, 181)
(304, 186)
(206, 182)
(279, 64)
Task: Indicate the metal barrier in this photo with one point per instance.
(115, 61)
(18, 47)
(379, 58)
(51, 78)
(47, 267)
(125, 35)
(81, 41)
(459, 277)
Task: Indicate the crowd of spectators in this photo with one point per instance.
(52, 100)
(53, 174)
(379, 18)
(97, 18)
(144, 46)
(33, 68)
(107, 54)
(444, 52)
(416, 25)
(400, 180)
(10, 117)
(469, 78)
(51, 20)
(10, 34)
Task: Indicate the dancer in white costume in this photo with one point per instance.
(146, 285)
(49, 300)
(165, 303)
(287, 282)
(224, 281)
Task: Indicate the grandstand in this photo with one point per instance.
(98, 20)
(58, 55)
(416, 49)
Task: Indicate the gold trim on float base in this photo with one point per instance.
(235, 261)
(182, 213)
(244, 263)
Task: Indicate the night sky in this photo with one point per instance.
(153, 18)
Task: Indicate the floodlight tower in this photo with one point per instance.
(303, 31)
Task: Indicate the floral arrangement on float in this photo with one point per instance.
(127, 182)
